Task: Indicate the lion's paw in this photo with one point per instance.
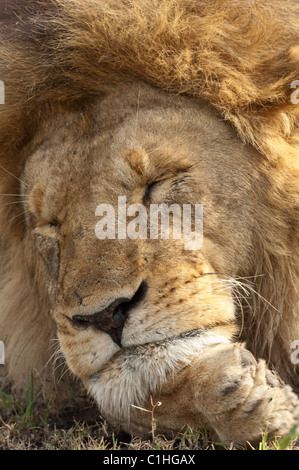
(241, 398)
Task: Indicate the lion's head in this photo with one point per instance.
(142, 144)
(126, 291)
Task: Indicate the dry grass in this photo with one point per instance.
(38, 428)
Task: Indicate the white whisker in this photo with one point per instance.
(13, 202)
(14, 176)
(15, 195)
(243, 290)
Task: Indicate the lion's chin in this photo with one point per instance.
(134, 373)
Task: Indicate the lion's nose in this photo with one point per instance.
(112, 319)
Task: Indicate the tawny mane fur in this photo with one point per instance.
(241, 57)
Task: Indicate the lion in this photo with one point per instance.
(186, 103)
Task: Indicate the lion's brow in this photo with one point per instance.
(157, 164)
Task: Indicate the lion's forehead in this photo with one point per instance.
(78, 162)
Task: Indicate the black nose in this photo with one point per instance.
(112, 319)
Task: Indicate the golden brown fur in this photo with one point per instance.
(103, 98)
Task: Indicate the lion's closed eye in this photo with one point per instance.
(171, 184)
(149, 190)
(46, 230)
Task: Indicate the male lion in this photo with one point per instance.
(180, 102)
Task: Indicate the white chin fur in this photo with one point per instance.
(133, 374)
